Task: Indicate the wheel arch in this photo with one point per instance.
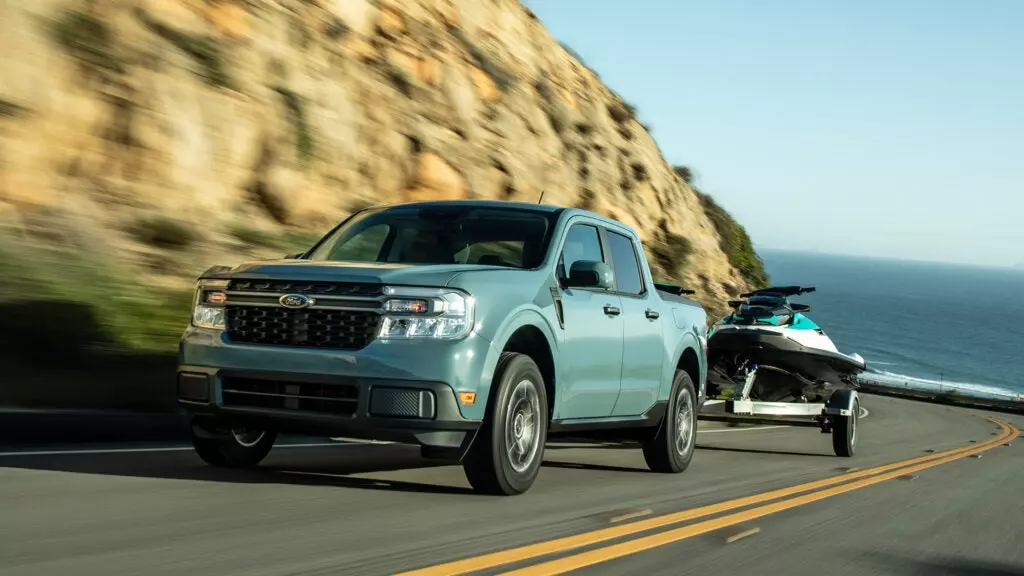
(688, 362)
(686, 357)
(529, 333)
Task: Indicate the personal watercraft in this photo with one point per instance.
(794, 360)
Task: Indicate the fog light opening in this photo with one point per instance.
(194, 387)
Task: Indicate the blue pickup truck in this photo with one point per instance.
(474, 329)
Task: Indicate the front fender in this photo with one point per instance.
(523, 316)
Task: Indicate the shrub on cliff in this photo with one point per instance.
(295, 105)
(684, 172)
(670, 254)
(87, 38)
(287, 242)
(670, 257)
(735, 242)
(164, 232)
(621, 111)
(206, 51)
(254, 236)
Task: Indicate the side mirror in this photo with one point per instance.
(589, 274)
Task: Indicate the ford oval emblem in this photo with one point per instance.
(295, 301)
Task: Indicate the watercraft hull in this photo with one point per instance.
(801, 371)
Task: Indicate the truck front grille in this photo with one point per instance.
(308, 288)
(337, 399)
(311, 327)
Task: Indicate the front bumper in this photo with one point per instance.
(415, 412)
(399, 392)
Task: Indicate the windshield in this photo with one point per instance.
(508, 237)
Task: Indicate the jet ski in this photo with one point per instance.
(794, 360)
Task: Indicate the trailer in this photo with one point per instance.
(837, 416)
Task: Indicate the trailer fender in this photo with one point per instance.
(841, 403)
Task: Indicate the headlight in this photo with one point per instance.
(439, 314)
(208, 308)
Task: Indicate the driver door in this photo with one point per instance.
(591, 352)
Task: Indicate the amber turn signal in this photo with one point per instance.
(467, 397)
(216, 297)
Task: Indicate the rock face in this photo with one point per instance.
(284, 115)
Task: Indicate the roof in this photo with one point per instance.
(546, 208)
(480, 204)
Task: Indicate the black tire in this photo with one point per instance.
(517, 390)
(240, 449)
(844, 432)
(669, 452)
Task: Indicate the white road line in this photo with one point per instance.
(740, 429)
(864, 413)
(155, 449)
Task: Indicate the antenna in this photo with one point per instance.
(541, 197)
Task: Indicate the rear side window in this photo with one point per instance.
(624, 264)
(581, 243)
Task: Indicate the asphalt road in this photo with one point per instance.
(380, 509)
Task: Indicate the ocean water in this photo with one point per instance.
(917, 324)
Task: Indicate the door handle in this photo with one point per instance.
(652, 314)
(611, 310)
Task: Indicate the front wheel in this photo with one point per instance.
(672, 449)
(506, 454)
(241, 448)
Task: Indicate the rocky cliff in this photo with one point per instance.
(162, 136)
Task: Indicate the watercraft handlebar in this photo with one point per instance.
(781, 291)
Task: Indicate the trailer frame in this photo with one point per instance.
(838, 416)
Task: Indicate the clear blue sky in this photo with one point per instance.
(876, 127)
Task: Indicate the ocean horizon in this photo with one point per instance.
(917, 323)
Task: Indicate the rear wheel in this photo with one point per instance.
(241, 448)
(672, 449)
(844, 432)
(506, 454)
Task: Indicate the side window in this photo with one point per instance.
(364, 246)
(624, 264)
(581, 243)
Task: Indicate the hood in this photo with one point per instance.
(356, 272)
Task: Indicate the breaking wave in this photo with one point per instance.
(915, 383)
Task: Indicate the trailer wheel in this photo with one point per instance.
(844, 432)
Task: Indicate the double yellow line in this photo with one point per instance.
(811, 492)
